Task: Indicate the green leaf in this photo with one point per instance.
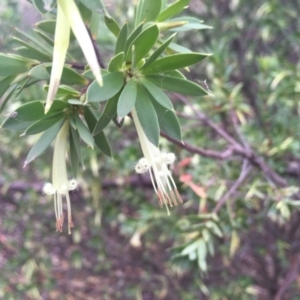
(25, 52)
(193, 23)
(64, 91)
(39, 72)
(116, 63)
(35, 53)
(132, 37)
(107, 115)
(156, 54)
(157, 94)
(122, 39)
(168, 121)
(94, 5)
(147, 11)
(40, 5)
(13, 65)
(5, 98)
(5, 84)
(175, 48)
(74, 159)
(15, 124)
(45, 37)
(127, 98)
(145, 42)
(30, 111)
(112, 25)
(43, 142)
(69, 76)
(74, 102)
(36, 42)
(173, 9)
(100, 139)
(175, 73)
(75, 139)
(177, 85)
(173, 62)
(112, 83)
(84, 132)
(147, 116)
(43, 124)
(47, 26)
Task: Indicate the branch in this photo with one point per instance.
(290, 277)
(98, 55)
(206, 153)
(242, 150)
(246, 168)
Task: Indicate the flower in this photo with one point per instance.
(156, 162)
(68, 17)
(60, 185)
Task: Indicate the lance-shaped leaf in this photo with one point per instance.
(32, 54)
(191, 24)
(116, 63)
(112, 83)
(45, 37)
(132, 37)
(29, 113)
(43, 124)
(100, 139)
(110, 110)
(173, 62)
(68, 76)
(122, 39)
(84, 132)
(65, 91)
(127, 98)
(72, 14)
(160, 50)
(112, 25)
(177, 85)
(172, 10)
(144, 42)
(43, 142)
(47, 26)
(147, 116)
(147, 11)
(167, 119)
(61, 44)
(13, 64)
(157, 94)
(5, 84)
(75, 142)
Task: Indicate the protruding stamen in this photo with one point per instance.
(173, 197)
(178, 196)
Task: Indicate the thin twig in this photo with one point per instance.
(203, 152)
(290, 277)
(246, 168)
(238, 148)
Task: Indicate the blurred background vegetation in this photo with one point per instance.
(123, 245)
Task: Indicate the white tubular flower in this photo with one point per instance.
(61, 186)
(83, 38)
(68, 17)
(156, 163)
(61, 44)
